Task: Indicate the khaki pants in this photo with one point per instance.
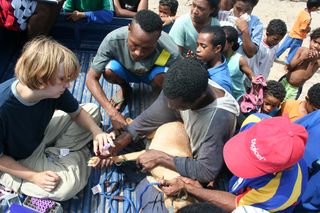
(62, 132)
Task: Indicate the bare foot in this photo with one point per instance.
(121, 98)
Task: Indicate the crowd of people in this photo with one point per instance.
(210, 73)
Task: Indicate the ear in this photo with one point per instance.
(129, 27)
(307, 98)
(217, 49)
(267, 34)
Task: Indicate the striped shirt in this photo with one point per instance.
(278, 192)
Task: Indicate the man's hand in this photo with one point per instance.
(118, 121)
(150, 159)
(100, 162)
(191, 182)
(242, 25)
(76, 15)
(172, 187)
(47, 180)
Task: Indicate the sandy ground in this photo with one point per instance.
(267, 10)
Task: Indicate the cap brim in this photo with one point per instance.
(237, 159)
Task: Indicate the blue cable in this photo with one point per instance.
(144, 191)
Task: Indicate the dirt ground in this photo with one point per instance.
(267, 10)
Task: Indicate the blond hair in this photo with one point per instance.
(39, 62)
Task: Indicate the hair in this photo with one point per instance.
(277, 26)
(40, 60)
(214, 4)
(231, 36)
(314, 94)
(313, 3)
(186, 79)
(251, 2)
(200, 207)
(315, 34)
(218, 35)
(148, 20)
(172, 4)
(275, 89)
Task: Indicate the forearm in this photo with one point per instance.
(124, 13)
(196, 169)
(248, 46)
(84, 120)
(143, 5)
(245, 68)
(294, 63)
(120, 142)
(222, 199)
(14, 168)
(95, 88)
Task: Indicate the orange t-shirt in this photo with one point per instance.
(302, 23)
(291, 109)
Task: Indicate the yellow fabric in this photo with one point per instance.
(296, 192)
(163, 58)
(291, 109)
(265, 193)
(302, 23)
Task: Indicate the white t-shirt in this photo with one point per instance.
(262, 62)
(251, 209)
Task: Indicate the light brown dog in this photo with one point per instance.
(172, 139)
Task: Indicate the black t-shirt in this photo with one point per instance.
(22, 126)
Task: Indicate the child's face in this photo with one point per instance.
(273, 40)
(57, 85)
(315, 44)
(241, 7)
(205, 51)
(164, 11)
(270, 103)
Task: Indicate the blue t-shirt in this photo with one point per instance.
(22, 125)
(221, 75)
(311, 197)
(278, 192)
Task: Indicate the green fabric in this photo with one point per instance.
(291, 91)
(115, 46)
(87, 5)
(185, 35)
(237, 76)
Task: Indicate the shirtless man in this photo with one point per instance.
(302, 67)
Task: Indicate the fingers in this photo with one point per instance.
(50, 181)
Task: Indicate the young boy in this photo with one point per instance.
(299, 30)
(44, 131)
(263, 61)
(298, 108)
(273, 96)
(167, 12)
(250, 28)
(302, 67)
(210, 44)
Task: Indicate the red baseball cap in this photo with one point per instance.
(272, 145)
